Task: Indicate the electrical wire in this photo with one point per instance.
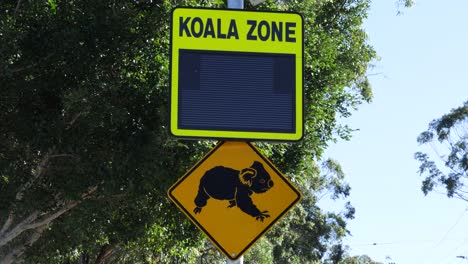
(449, 256)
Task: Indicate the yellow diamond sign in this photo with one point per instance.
(234, 195)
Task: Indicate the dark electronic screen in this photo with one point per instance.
(236, 91)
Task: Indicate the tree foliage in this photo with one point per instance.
(448, 136)
(85, 155)
(406, 3)
(359, 260)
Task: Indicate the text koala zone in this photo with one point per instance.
(224, 183)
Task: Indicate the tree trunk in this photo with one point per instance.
(84, 259)
(18, 251)
(34, 222)
(7, 235)
(105, 252)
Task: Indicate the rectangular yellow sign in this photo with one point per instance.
(236, 74)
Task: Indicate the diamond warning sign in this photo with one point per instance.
(234, 195)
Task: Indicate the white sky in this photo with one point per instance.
(423, 53)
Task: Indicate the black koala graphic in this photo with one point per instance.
(235, 186)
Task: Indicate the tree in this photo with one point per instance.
(359, 260)
(308, 234)
(406, 3)
(83, 123)
(451, 132)
(85, 155)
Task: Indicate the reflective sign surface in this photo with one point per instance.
(236, 74)
(234, 195)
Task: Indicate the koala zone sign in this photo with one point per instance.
(236, 74)
(234, 201)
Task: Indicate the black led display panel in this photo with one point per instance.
(236, 91)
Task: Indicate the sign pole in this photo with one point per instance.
(236, 4)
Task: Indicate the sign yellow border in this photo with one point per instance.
(221, 21)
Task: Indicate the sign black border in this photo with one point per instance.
(191, 218)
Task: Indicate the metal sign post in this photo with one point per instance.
(240, 261)
(236, 4)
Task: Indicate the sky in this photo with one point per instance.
(422, 75)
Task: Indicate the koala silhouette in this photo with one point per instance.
(236, 186)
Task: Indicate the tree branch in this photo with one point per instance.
(105, 252)
(339, 9)
(17, 7)
(461, 196)
(31, 222)
(7, 223)
(70, 124)
(110, 197)
(30, 66)
(18, 251)
(18, 229)
(374, 74)
(40, 170)
(62, 156)
(66, 208)
(53, 216)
